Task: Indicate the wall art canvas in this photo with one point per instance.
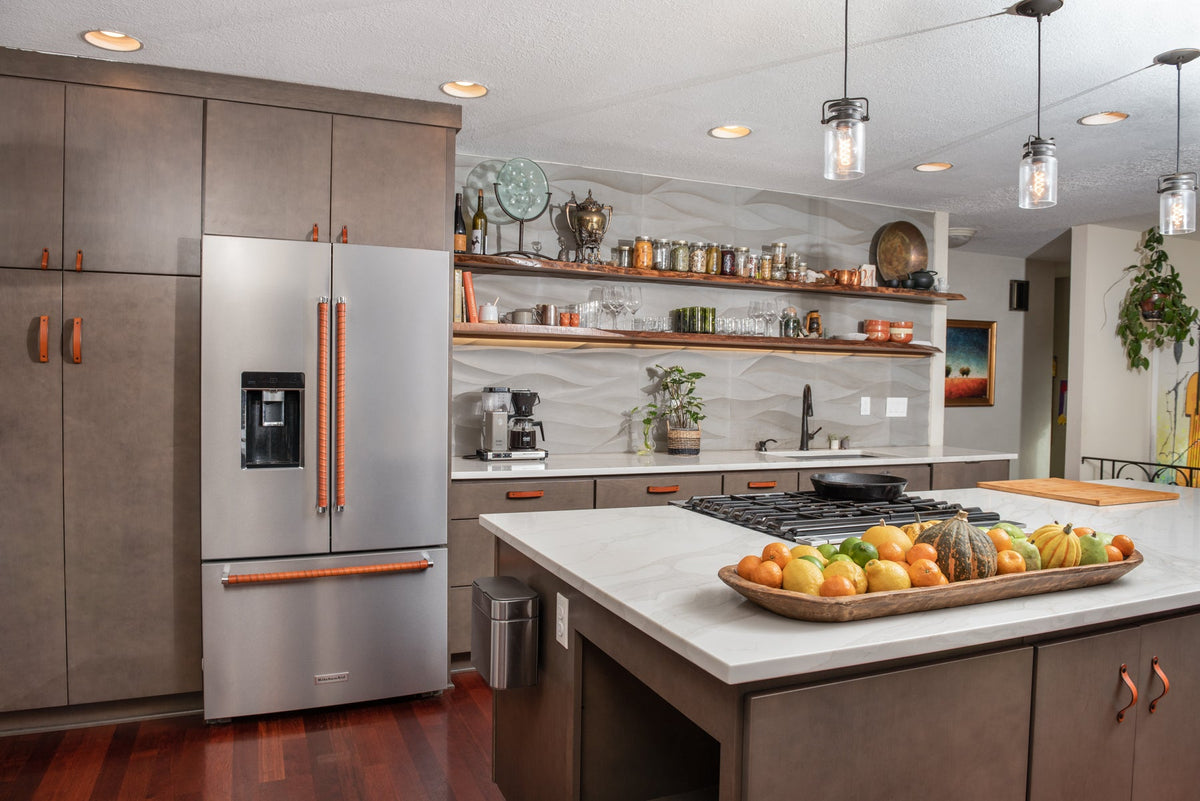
(970, 363)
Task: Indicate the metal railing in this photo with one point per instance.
(1178, 474)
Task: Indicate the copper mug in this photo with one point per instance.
(847, 277)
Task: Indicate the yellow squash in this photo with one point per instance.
(1058, 545)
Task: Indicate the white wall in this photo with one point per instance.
(984, 280)
(1110, 409)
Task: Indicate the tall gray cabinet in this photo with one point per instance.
(102, 209)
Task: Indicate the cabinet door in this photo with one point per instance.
(391, 183)
(31, 161)
(954, 475)
(964, 723)
(131, 197)
(1165, 767)
(132, 489)
(33, 657)
(266, 171)
(1079, 750)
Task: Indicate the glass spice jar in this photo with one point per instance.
(712, 258)
(751, 264)
(643, 253)
(624, 257)
(728, 264)
(779, 260)
(680, 256)
(740, 256)
(696, 258)
(661, 255)
(790, 324)
(793, 267)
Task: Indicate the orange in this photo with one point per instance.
(942, 579)
(1123, 544)
(1114, 553)
(1083, 531)
(768, 574)
(745, 568)
(922, 550)
(835, 586)
(777, 552)
(1009, 561)
(1001, 539)
(891, 552)
(924, 573)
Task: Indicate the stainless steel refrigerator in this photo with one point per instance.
(324, 431)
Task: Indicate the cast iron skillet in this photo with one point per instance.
(858, 486)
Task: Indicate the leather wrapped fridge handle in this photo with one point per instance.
(339, 391)
(77, 340)
(322, 405)
(327, 572)
(44, 338)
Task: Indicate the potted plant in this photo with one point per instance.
(676, 403)
(1154, 310)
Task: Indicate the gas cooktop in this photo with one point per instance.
(805, 517)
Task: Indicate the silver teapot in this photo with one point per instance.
(589, 222)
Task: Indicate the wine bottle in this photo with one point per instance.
(479, 226)
(460, 227)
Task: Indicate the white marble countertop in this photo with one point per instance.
(600, 464)
(656, 568)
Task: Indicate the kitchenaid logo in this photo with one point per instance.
(329, 678)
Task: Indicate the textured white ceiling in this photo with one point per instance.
(634, 85)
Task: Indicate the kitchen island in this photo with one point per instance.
(672, 683)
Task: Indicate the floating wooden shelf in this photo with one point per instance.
(559, 336)
(518, 265)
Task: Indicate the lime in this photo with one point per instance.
(827, 550)
(863, 552)
(839, 557)
(849, 543)
(816, 560)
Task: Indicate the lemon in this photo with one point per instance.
(878, 535)
(801, 575)
(847, 568)
(809, 550)
(883, 575)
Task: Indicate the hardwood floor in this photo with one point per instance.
(436, 748)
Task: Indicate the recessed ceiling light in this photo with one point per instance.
(1103, 118)
(729, 132)
(465, 89)
(933, 166)
(112, 40)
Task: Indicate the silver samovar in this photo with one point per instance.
(589, 222)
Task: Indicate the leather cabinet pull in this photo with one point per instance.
(1132, 691)
(345, 235)
(518, 494)
(662, 490)
(77, 340)
(316, 232)
(761, 485)
(1166, 684)
(44, 338)
(79, 261)
(45, 258)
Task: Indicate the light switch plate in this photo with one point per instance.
(864, 406)
(560, 620)
(897, 407)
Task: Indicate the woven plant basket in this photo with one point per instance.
(683, 441)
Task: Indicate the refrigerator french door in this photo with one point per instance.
(324, 455)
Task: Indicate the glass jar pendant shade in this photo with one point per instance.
(845, 118)
(1177, 192)
(1037, 181)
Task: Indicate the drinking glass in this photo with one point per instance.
(612, 299)
(633, 302)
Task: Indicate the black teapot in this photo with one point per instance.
(922, 279)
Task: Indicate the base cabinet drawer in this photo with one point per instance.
(748, 481)
(655, 490)
(474, 498)
(956, 475)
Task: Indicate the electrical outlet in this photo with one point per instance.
(897, 407)
(560, 620)
(864, 406)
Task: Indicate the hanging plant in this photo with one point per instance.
(1155, 310)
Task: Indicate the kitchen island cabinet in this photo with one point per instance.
(682, 637)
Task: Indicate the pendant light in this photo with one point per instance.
(845, 141)
(1038, 179)
(1177, 192)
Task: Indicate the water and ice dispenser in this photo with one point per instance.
(272, 419)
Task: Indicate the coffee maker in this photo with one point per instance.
(508, 430)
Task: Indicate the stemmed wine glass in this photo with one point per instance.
(612, 299)
(633, 302)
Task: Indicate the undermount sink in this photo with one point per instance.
(821, 453)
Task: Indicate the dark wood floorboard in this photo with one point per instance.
(430, 749)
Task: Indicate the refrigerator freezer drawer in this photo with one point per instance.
(285, 639)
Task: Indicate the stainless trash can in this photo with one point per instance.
(504, 632)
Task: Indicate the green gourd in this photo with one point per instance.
(963, 551)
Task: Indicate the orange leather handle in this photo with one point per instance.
(322, 405)
(1132, 691)
(78, 261)
(45, 258)
(761, 484)
(662, 490)
(44, 338)
(345, 235)
(316, 232)
(1166, 684)
(516, 494)
(77, 340)
(339, 391)
(328, 572)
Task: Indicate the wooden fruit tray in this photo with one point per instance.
(920, 599)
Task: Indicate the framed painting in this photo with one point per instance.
(970, 363)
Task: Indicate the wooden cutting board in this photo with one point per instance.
(1061, 489)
